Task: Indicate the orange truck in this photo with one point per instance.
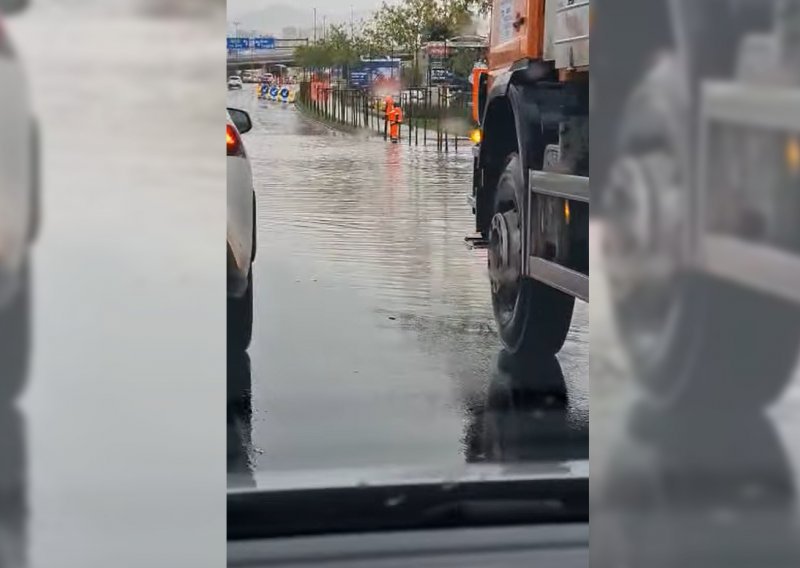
(530, 193)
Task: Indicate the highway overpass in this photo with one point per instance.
(256, 60)
(283, 54)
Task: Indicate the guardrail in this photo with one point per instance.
(280, 55)
(430, 114)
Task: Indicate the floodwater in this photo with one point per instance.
(374, 343)
(121, 413)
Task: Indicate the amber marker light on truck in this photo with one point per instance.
(793, 155)
(476, 135)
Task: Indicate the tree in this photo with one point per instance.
(341, 46)
(438, 30)
(404, 26)
(455, 15)
(462, 62)
(375, 41)
(313, 57)
(411, 23)
(480, 6)
(337, 49)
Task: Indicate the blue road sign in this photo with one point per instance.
(440, 76)
(359, 78)
(236, 43)
(263, 43)
(371, 70)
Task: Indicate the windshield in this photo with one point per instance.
(380, 348)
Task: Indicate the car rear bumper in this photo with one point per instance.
(237, 276)
(18, 177)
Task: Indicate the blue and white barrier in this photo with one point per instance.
(277, 94)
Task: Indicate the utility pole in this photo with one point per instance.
(315, 25)
(324, 28)
(352, 31)
(237, 53)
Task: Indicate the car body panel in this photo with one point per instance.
(298, 480)
(240, 221)
(16, 170)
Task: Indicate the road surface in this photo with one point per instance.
(374, 341)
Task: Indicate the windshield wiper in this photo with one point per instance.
(541, 500)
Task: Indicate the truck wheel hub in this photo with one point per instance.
(646, 232)
(505, 251)
(630, 197)
(646, 248)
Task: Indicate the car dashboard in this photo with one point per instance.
(540, 546)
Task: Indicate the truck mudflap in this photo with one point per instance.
(472, 198)
(476, 239)
(557, 218)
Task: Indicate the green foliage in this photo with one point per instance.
(337, 49)
(404, 26)
(410, 23)
(480, 6)
(463, 61)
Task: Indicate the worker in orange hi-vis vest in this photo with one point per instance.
(388, 108)
(395, 121)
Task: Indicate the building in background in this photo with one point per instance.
(451, 62)
(381, 76)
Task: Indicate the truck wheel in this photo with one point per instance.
(15, 342)
(531, 317)
(691, 338)
(240, 318)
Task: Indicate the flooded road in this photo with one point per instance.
(374, 342)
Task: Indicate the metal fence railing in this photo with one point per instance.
(431, 115)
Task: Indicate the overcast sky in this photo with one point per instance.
(236, 7)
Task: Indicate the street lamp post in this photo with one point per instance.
(236, 35)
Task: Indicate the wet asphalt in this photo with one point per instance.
(374, 343)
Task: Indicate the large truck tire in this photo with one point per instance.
(692, 339)
(730, 344)
(531, 317)
(15, 318)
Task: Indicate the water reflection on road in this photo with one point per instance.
(374, 342)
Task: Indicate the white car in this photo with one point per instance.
(18, 211)
(234, 82)
(241, 231)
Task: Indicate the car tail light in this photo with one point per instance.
(233, 141)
